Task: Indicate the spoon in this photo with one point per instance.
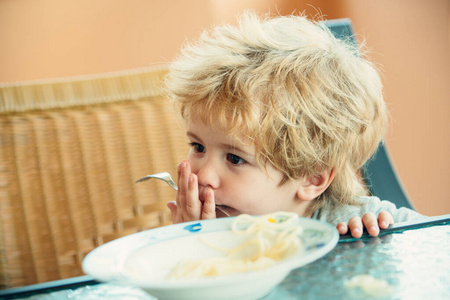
(164, 176)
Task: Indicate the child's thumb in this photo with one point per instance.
(172, 205)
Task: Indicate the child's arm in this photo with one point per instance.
(188, 206)
(369, 221)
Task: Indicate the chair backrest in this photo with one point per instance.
(379, 172)
(70, 151)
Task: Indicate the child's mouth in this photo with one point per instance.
(223, 211)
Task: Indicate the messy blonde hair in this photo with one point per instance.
(308, 101)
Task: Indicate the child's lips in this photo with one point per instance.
(223, 211)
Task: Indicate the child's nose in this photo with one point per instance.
(207, 175)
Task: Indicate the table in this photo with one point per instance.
(413, 263)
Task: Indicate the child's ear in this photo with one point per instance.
(315, 185)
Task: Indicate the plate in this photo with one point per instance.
(144, 259)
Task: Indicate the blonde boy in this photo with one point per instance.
(280, 116)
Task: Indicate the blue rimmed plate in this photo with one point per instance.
(144, 260)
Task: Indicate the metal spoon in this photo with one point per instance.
(164, 176)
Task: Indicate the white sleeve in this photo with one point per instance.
(368, 204)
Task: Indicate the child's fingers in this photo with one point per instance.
(193, 205)
(183, 177)
(342, 228)
(355, 226)
(370, 222)
(385, 219)
(179, 167)
(188, 203)
(209, 206)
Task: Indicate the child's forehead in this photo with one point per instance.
(229, 134)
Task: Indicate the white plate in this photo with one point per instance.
(144, 259)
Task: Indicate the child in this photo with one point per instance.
(281, 116)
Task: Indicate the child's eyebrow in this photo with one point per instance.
(235, 148)
(231, 147)
(192, 135)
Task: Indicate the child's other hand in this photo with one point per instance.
(188, 206)
(369, 221)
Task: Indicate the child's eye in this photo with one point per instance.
(235, 160)
(198, 147)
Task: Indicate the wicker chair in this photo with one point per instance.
(70, 151)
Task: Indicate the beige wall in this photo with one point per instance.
(408, 38)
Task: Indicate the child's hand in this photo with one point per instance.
(188, 206)
(369, 221)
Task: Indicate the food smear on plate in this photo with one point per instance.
(369, 285)
(269, 238)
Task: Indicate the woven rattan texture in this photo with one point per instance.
(67, 181)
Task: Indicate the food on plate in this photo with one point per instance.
(269, 238)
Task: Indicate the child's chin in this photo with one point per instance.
(223, 211)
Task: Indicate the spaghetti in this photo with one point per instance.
(269, 238)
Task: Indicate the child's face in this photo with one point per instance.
(229, 168)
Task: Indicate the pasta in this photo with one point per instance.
(269, 238)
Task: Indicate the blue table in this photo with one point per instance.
(414, 263)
